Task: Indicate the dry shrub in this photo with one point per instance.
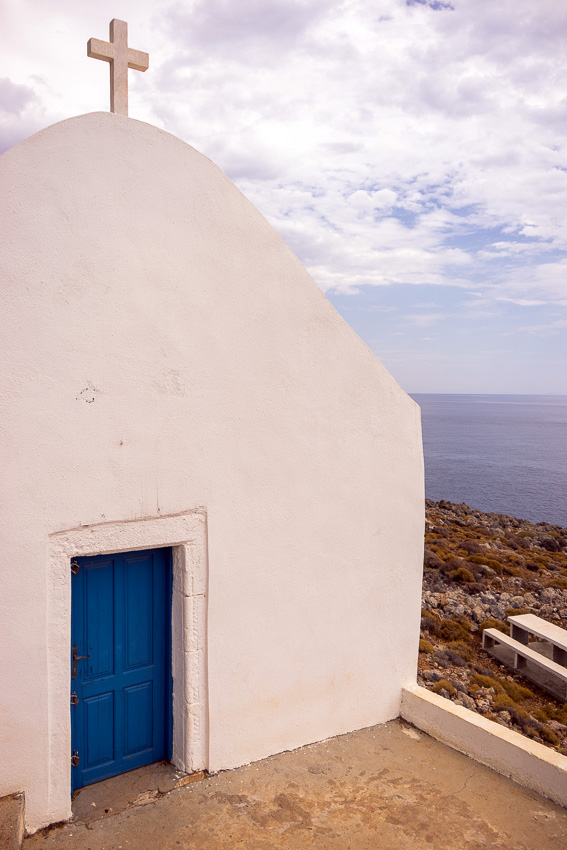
(443, 684)
(558, 582)
(541, 714)
(425, 646)
(502, 702)
(451, 630)
(493, 623)
(462, 575)
(431, 561)
(508, 693)
(550, 736)
(516, 692)
(452, 563)
(551, 544)
(487, 562)
(472, 547)
(555, 713)
(478, 680)
(430, 622)
(461, 649)
(449, 658)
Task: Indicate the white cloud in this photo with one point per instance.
(14, 97)
(388, 142)
(547, 328)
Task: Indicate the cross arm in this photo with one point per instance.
(138, 60)
(98, 49)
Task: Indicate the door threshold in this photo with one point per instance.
(134, 788)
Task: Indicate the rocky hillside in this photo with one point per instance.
(480, 568)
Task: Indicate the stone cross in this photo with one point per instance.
(121, 57)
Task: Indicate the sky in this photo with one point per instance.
(412, 153)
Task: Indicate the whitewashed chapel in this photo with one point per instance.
(212, 497)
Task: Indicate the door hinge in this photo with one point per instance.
(75, 567)
(74, 698)
(75, 759)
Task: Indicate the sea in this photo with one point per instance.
(501, 453)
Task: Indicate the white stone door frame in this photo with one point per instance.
(186, 534)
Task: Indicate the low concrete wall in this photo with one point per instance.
(526, 762)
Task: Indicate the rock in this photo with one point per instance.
(516, 601)
(431, 560)
(466, 701)
(504, 716)
(478, 614)
(431, 675)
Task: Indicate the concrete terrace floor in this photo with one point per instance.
(387, 786)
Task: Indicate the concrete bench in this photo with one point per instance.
(524, 625)
(523, 654)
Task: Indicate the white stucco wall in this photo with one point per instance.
(165, 352)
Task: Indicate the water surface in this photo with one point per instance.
(504, 453)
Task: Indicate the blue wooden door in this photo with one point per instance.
(120, 669)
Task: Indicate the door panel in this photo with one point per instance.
(121, 620)
(99, 626)
(138, 702)
(138, 609)
(99, 728)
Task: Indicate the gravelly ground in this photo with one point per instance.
(384, 788)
